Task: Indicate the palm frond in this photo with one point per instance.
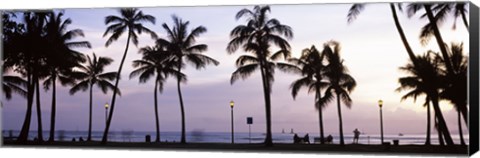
(243, 72)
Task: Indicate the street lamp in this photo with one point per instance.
(231, 109)
(106, 113)
(380, 104)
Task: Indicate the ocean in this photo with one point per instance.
(225, 137)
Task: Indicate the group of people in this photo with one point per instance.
(328, 140)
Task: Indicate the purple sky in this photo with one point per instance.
(371, 48)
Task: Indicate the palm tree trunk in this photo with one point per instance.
(441, 121)
(402, 35)
(39, 112)
(439, 132)
(464, 112)
(342, 142)
(112, 106)
(23, 136)
(460, 131)
(182, 110)
(427, 142)
(89, 138)
(54, 108)
(156, 112)
(464, 18)
(266, 93)
(318, 96)
(439, 40)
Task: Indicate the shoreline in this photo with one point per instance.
(456, 150)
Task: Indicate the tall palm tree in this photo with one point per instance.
(413, 8)
(182, 45)
(340, 83)
(158, 63)
(29, 59)
(456, 89)
(257, 37)
(311, 66)
(92, 74)
(130, 20)
(61, 58)
(425, 79)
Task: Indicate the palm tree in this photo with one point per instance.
(11, 84)
(433, 20)
(412, 9)
(257, 37)
(131, 20)
(61, 58)
(155, 62)
(311, 67)
(425, 79)
(339, 81)
(92, 74)
(27, 60)
(456, 89)
(182, 45)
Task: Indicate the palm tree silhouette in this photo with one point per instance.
(158, 63)
(61, 59)
(456, 89)
(421, 82)
(27, 61)
(182, 45)
(257, 37)
(340, 83)
(442, 10)
(92, 74)
(311, 66)
(412, 9)
(131, 20)
(11, 84)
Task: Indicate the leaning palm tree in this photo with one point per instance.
(61, 58)
(92, 74)
(155, 63)
(130, 21)
(433, 20)
(340, 83)
(311, 66)
(182, 45)
(257, 37)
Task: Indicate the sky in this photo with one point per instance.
(371, 48)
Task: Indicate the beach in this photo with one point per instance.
(258, 147)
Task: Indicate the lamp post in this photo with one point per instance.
(106, 113)
(380, 104)
(231, 109)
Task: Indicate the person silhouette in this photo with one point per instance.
(356, 135)
(330, 139)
